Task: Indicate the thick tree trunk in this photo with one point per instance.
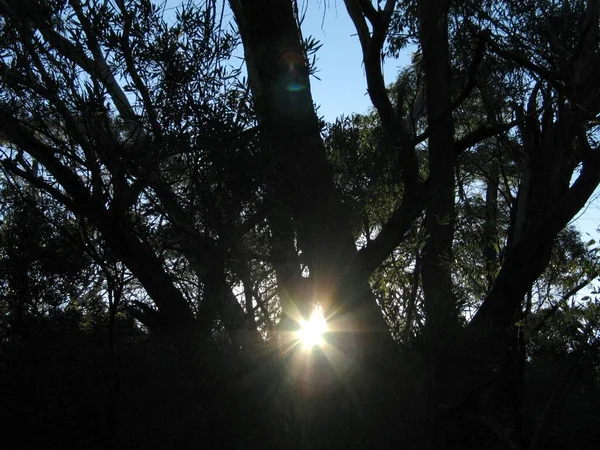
(300, 186)
(436, 262)
(545, 206)
(300, 179)
(440, 305)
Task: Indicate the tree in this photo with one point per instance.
(209, 190)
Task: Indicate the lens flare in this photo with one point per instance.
(295, 87)
(311, 331)
(291, 65)
(291, 61)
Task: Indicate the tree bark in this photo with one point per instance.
(545, 205)
(300, 180)
(440, 305)
(146, 267)
(300, 183)
(490, 227)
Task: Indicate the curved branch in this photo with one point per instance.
(393, 231)
(371, 49)
(487, 131)
(526, 260)
(549, 313)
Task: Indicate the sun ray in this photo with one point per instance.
(312, 330)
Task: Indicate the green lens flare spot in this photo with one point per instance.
(295, 87)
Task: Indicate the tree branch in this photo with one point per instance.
(137, 80)
(40, 184)
(371, 48)
(96, 68)
(487, 131)
(527, 259)
(22, 137)
(393, 231)
(523, 61)
(356, 14)
(549, 313)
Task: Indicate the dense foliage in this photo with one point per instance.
(167, 223)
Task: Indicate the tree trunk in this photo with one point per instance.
(300, 179)
(439, 301)
(300, 185)
(545, 205)
(440, 307)
(490, 227)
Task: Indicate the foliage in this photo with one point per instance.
(165, 223)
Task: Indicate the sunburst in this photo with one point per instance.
(312, 330)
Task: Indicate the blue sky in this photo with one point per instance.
(342, 88)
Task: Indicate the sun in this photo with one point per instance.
(311, 331)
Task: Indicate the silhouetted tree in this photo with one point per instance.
(219, 212)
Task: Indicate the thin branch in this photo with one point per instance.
(356, 14)
(487, 131)
(137, 80)
(22, 137)
(97, 68)
(523, 61)
(51, 94)
(40, 184)
(549, 313)
(202, 246)
(412, 298)
(371, 48)
(472, 71)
